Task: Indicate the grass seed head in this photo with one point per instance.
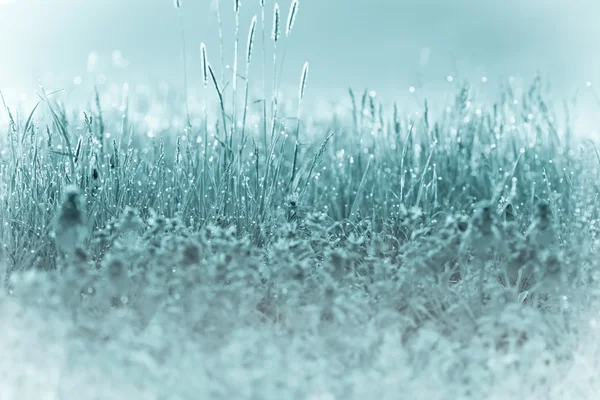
(291, 17)
(303, 81)
(250, 41)
(204, 61)
(276, 23)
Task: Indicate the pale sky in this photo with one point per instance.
(375, 43)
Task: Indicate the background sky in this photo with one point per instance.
(387, 45)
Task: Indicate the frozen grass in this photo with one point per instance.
(369, 254)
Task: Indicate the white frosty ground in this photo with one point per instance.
(45, 357)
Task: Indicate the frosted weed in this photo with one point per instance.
(541, 233)
(69, 227)
(483, 238)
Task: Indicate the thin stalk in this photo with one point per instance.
(235, 71)
(221, 47)
(275, 37)
(185, 72)
(247, 85)
(264, 67)
(204, 62)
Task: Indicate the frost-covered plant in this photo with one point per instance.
(483, 238)
(69, 229)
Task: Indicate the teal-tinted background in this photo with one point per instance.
(380, 44)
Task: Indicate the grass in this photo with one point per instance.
(288, 255)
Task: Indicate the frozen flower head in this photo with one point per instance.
(69, 229)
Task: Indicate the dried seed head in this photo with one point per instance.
(303, 81)
(204, 62)
(70, 228)
(291, 17)
(236, 6)
(276, 23)
(262, 3)
(177, 4)
(250, 41)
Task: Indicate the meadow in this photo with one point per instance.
(160, 245)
